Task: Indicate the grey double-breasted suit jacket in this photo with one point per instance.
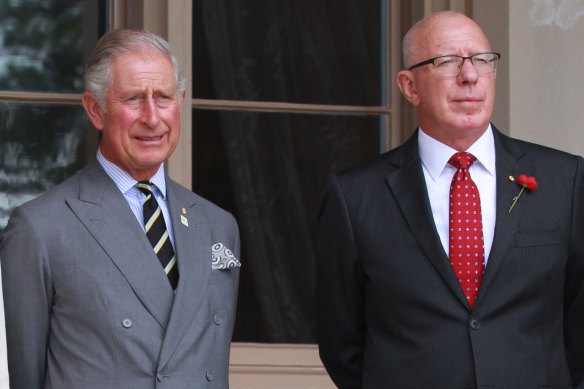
(88, 304)
(391, 313)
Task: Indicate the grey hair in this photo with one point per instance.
(408, 46)
(98, 77)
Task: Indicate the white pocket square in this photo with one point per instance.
(223, 258)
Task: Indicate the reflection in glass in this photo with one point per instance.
(40, 146)
(269, 169)
(43, 43)
(322, 52)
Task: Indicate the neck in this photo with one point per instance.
(454, 139)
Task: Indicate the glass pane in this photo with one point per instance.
(269, 169)
(43, 43)
(322, 52)
(35, 156)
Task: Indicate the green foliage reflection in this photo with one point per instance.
(41, 45)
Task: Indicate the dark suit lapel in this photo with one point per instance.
(193, 246)
(409, 188)
(508, 165)
(104, 211)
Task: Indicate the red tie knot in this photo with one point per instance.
(462, 160)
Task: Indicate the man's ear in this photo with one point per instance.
(405, 81)
(93, 110)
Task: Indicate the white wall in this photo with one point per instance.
(493, 17)
(544, 64)
(547, 67)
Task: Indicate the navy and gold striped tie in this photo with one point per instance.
(157, 233)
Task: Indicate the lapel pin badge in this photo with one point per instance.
(183, 218)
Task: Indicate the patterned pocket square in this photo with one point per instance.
(223, 258)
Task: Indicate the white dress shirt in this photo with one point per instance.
(438, 174)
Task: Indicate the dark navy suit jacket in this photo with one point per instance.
(391, 313)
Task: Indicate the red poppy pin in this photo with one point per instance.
(525, 182)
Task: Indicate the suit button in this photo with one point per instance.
(161, 377)
(209, 376)
(475, 324)
(127, 323)
(217, 319)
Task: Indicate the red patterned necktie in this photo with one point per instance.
(467, 251)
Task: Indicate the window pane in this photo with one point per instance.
(43, 43)
(269, 169)
(34, 157)
(305, 51)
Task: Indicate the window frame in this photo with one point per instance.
(253, 363)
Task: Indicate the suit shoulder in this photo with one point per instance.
(538, 154)
(376, 169)
(536, 147)
(54, 196)
(211, 208)
(365, 179)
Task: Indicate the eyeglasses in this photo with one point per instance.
(450, 65)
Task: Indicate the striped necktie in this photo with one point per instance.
(157, 233)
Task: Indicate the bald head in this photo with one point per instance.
(456, 108)
(420, 42)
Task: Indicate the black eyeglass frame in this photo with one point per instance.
(431, 60)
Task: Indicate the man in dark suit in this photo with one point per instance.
(408, 298)
(119, 277)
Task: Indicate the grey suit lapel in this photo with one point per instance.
(106, 214)
(409, 188)
(507, 164)
(193, 247)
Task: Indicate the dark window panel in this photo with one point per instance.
(43, 43)
(269, 169)
(40, 146)
(305, 51)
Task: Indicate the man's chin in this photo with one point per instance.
(470, 123)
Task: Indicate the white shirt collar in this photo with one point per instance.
(124, 181)
(435, 155)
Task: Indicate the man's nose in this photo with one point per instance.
(150, 113)
(468, 72)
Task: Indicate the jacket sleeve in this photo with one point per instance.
(574, 290)
(339, 291)
(28, 298)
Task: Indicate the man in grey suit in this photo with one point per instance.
(457, 259)
(90, 301)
